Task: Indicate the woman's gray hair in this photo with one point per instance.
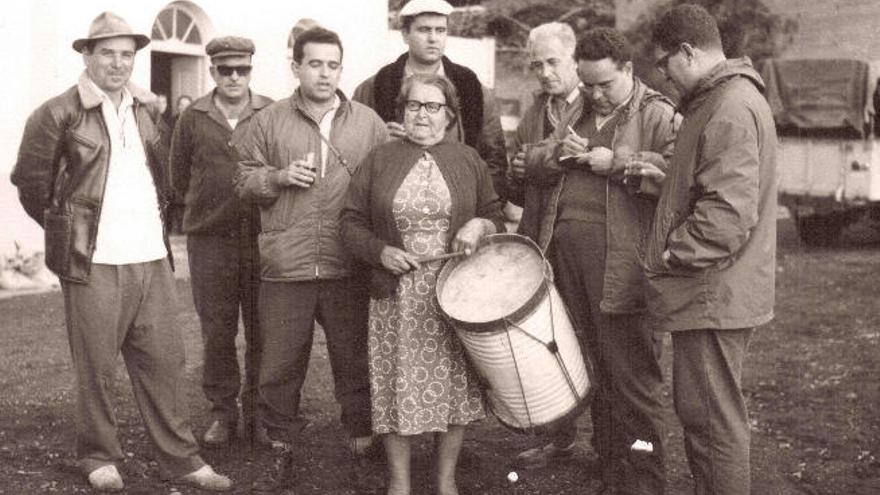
(453, 111)
(559, 30)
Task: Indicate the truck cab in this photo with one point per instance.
(828, 157)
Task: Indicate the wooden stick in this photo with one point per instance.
(439, 257)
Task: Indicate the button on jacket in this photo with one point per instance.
(204, 160)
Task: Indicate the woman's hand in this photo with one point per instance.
(470, 234)
(397, 260)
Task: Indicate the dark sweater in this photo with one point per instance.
(367, 220)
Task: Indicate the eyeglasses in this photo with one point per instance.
(431, 106)
(227, 70)
(662, 64)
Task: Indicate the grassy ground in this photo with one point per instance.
(812, 379)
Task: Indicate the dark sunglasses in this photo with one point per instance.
(227, 70)
(431, 106)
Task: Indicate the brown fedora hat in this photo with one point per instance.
(110, 25)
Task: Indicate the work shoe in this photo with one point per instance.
(206, 478)
(106, 479)
(217, 434)
(539, 457)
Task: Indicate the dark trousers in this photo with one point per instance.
(225, 274)
(625, 356)
(129, 309)
(288, 311)
(707, 390)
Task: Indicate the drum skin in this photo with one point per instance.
(503, 305)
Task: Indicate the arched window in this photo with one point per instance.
(174, 23)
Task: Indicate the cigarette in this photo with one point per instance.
(571, 130)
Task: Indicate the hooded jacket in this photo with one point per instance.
(62, 169)
(716, 217)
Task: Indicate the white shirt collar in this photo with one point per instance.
(409, 72)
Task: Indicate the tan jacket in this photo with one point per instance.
(300, 226)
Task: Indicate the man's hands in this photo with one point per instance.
(518, 164)
(301, 173)
(396, 129)
(598, 159)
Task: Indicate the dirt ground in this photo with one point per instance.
(812, 379)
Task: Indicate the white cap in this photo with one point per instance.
(416, 7)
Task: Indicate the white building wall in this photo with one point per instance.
(36, 37)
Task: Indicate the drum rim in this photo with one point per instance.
(520, 313)
(551, 426)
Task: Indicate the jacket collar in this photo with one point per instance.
(720, 75)
(91, 98)
(296, 101)
(206, 105)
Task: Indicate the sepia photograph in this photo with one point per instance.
(451, 247)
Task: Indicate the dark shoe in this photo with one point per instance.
(539, 457)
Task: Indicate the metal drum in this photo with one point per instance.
(503, 305)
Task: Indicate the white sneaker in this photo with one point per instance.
(207, 479)
(106, 479)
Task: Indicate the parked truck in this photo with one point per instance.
(829, 156)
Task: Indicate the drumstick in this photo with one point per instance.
(439, 257)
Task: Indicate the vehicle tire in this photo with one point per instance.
(820, 230)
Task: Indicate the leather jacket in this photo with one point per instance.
(61, 173)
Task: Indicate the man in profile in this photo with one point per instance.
(711, 256)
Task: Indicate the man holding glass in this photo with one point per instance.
(298, 158)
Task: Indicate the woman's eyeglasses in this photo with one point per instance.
(227, 70)
(431, 106)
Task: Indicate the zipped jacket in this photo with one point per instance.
(716, 217)
(300, 238)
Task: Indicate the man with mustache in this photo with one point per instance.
(92, 172)
(221, 234)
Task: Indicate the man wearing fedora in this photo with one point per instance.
(91, 172)
(221, 232)
(424, 25)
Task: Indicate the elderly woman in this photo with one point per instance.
(409, 201)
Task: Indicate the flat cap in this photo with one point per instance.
(416, 7)
(229, 46)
